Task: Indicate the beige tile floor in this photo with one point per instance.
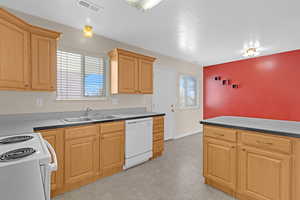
(174, 176)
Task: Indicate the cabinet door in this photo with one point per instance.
(264, 175)
(128, 74)
(81, 158)
(220, 162)
(43, 55)
(145, 76)
(14, 56)
(112, 152)
(55, 138)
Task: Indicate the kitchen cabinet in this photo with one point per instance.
(220, 163)
(158, 136)
(131, 73)
(14, 53)
(56, 138)
(43, 58)
(28, 55)
(250, 165)
(112, 152)
(264, 175)
(81, 155)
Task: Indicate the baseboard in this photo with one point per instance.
(187, 134)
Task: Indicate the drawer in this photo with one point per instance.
(220, 133)
(266, 141)
(112, 127)
(158, 136)
(158, 121)
(158, 146)
(81, 131)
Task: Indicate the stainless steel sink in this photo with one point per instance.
(78, 119)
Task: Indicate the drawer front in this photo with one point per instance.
(158, 136)
(158, 146)
(81, 131)
(158, 121)
(266, 141)
(220, 133)
(112, 127)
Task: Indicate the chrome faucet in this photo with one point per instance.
(87, 111)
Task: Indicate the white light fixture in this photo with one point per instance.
(88, 31)
(143, 4)
(252, 49)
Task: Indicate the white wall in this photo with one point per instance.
(25, 102)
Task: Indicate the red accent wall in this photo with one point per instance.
(269, 87)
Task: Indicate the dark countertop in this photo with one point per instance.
(63, 124)
(276, 127)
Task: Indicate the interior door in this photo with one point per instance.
(264, 175)
(165, 97)
(43, 54)
(128, 74)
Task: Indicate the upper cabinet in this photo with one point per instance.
(131, 73)
(27, 55)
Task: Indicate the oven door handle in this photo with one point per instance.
(53, 165)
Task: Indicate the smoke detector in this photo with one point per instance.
(89, 5)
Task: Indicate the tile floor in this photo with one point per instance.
(177, 175)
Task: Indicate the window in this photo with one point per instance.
(79, 76)
(189, 92)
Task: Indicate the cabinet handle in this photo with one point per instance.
(26, 85)
(265, 143)
(218, 134)
(243, 149)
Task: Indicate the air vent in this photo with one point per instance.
(88, 4)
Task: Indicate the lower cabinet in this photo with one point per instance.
(81, 155)
(158, 136)
(264, 175)
(112, 147)
(251, 166)
(88, 152)
(56, 138)
(220, 163)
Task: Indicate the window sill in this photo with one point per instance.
(189, 108)
(85, 99)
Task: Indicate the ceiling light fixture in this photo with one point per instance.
(143, 4)
(252, 49)
(88, 31)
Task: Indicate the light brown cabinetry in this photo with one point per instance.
(220, 163)
(81, 155)
(131, 73)
(27, 55)
(43, 58)
(264, 175)
(158, 136)
(249, 165)
(56, 138)
(112, 147)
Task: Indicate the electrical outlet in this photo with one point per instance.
(39, 102)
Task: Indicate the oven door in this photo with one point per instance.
(22, 181)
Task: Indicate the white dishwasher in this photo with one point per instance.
(138, 141)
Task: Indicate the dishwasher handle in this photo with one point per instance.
(135, 121)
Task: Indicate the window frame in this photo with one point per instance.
(185, 107)
(105, 82)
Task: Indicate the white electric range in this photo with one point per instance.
(25, 167)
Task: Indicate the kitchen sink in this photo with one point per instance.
(100, 117)
(78, 119)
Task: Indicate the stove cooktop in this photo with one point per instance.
(15, 139)
(16, 154)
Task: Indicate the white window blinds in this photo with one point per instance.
(79, 76)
